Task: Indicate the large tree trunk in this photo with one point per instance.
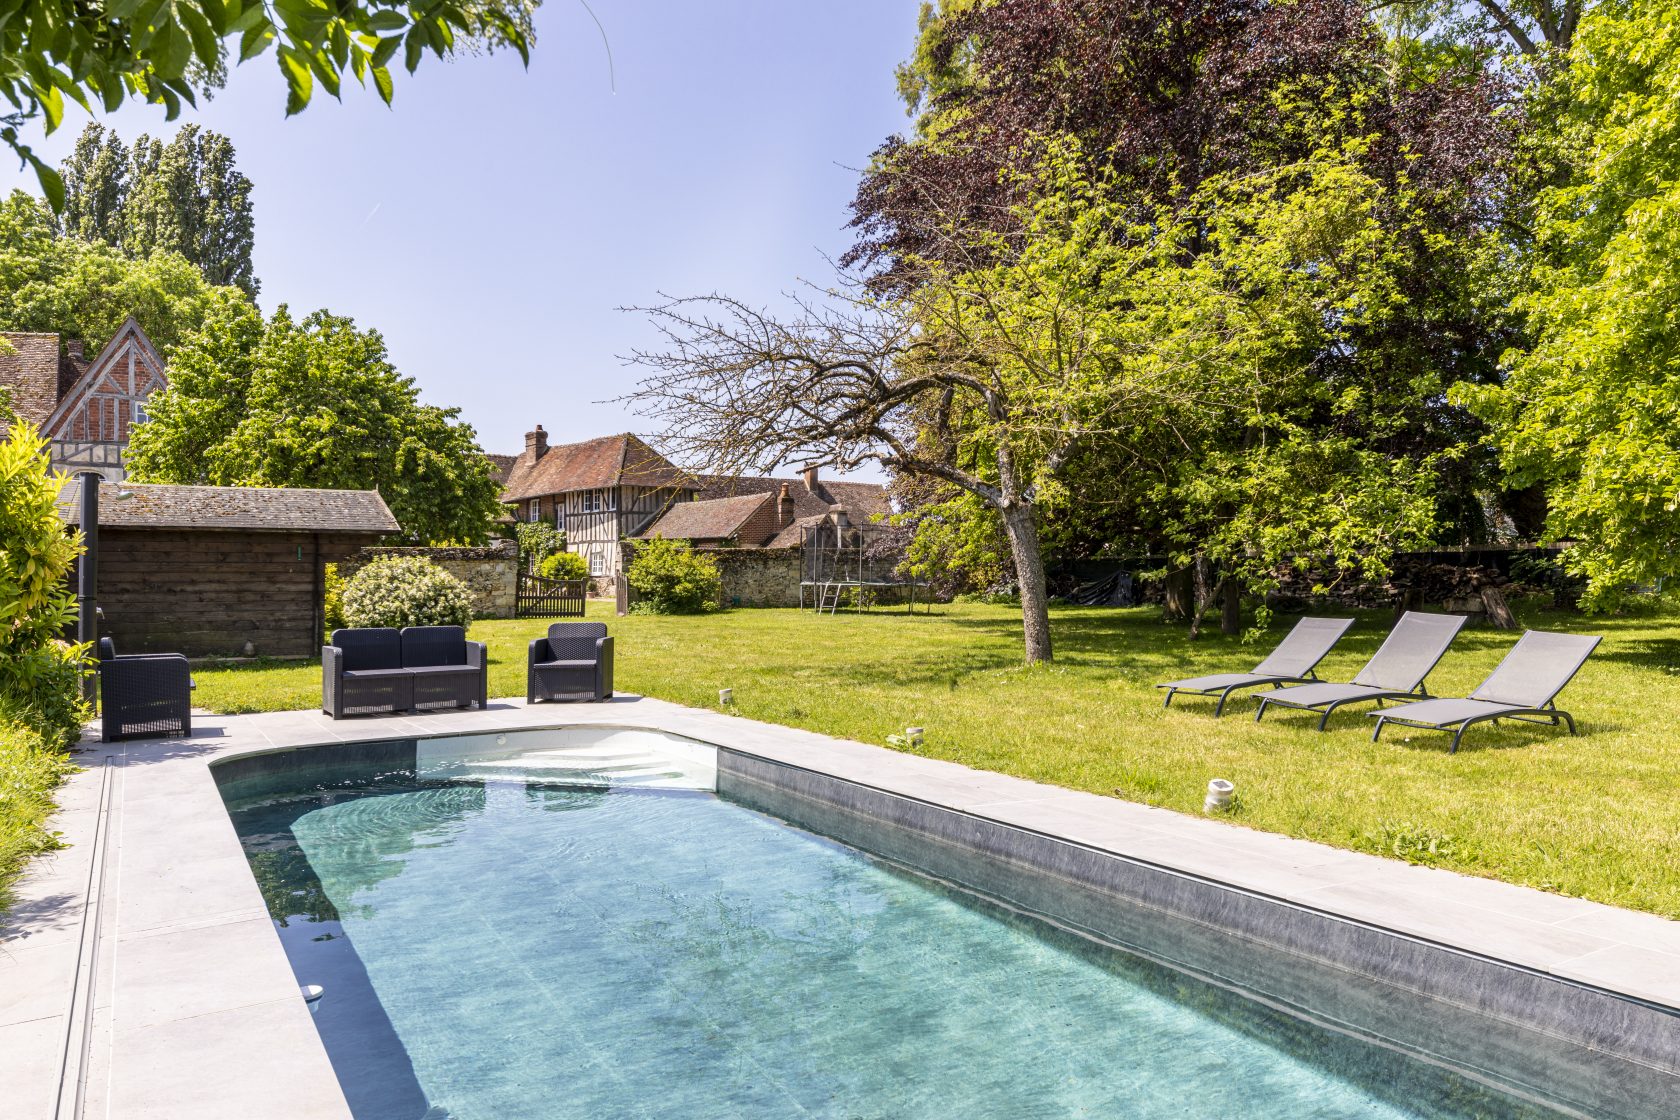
(1029, 576)
(1230, 607)
(1177, 594)
(1202, 594)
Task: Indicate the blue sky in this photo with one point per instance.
(493, 219)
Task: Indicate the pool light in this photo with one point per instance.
(1218, 796)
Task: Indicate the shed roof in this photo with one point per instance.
(256, 508)
(715, 519)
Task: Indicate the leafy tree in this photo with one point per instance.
(671, 578)
(1591, 408)
(40, 675)
(185, 197)
(312, 403)
(95, 186)
(54, 51)
(86, 290)
(1175, 105)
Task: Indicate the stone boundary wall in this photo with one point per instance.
(491, 572)
(758, 577)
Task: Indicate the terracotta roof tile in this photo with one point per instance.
(29, 372)
(159, 506)
(591, 465)
(717, 519)
(861, 499)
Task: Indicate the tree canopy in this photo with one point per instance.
(312, 403)
(1591, 407)
(86, 289)
(186, 197)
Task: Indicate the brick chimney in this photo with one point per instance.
(73, 348)
(536, 443)
(784, 507)
(810, 476)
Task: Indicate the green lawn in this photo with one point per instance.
(1596, 816)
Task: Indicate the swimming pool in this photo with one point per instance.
(601, 939)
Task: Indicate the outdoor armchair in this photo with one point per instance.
(143, 694)
(574, 662)
(1397, 670)
(1293, 660)
(1524, 687)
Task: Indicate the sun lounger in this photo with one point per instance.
(1523, 687)
(1396, 670)
(1293, 660)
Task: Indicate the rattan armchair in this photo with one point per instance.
(575, 662)
(143, 695)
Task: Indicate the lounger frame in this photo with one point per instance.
(1546, 711)
(1224, 694)
(1550, 714)
(1418, 691)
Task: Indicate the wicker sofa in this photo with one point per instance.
(142, 695)
(575, 662)
(380, 669)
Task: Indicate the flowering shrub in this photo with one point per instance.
(671, 578)
(406, 591)
(564, 565)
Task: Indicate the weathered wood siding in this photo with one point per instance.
(207, 593)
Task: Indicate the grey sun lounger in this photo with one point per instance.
(1413, 648)
(1293, 660)
(1522, 687)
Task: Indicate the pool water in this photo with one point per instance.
(496, 950)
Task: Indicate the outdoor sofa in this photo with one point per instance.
(1293, 660)
(143, 694)
(1524, 687)
(1396, 671)
(574, 662)
(381, 669)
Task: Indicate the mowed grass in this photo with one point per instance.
(1596, 816)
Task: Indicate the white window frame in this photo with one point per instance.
(138, 416)
(533, 511)
(597, 563)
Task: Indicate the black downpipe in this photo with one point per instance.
(87, 577)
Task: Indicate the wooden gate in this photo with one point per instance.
(539, 597)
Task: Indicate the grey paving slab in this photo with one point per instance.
(29, 1057)
(193, 976)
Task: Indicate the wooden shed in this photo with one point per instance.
(223, 571)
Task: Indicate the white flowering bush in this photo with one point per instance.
(406, 591)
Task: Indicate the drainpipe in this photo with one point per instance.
(87, 575)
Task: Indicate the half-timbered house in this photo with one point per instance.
(599, 492)
(86, 409)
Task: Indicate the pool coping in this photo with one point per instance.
(153, 909)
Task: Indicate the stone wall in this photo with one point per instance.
(491, 573)
(759, 577)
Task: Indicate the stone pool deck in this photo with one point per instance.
(140, 976)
